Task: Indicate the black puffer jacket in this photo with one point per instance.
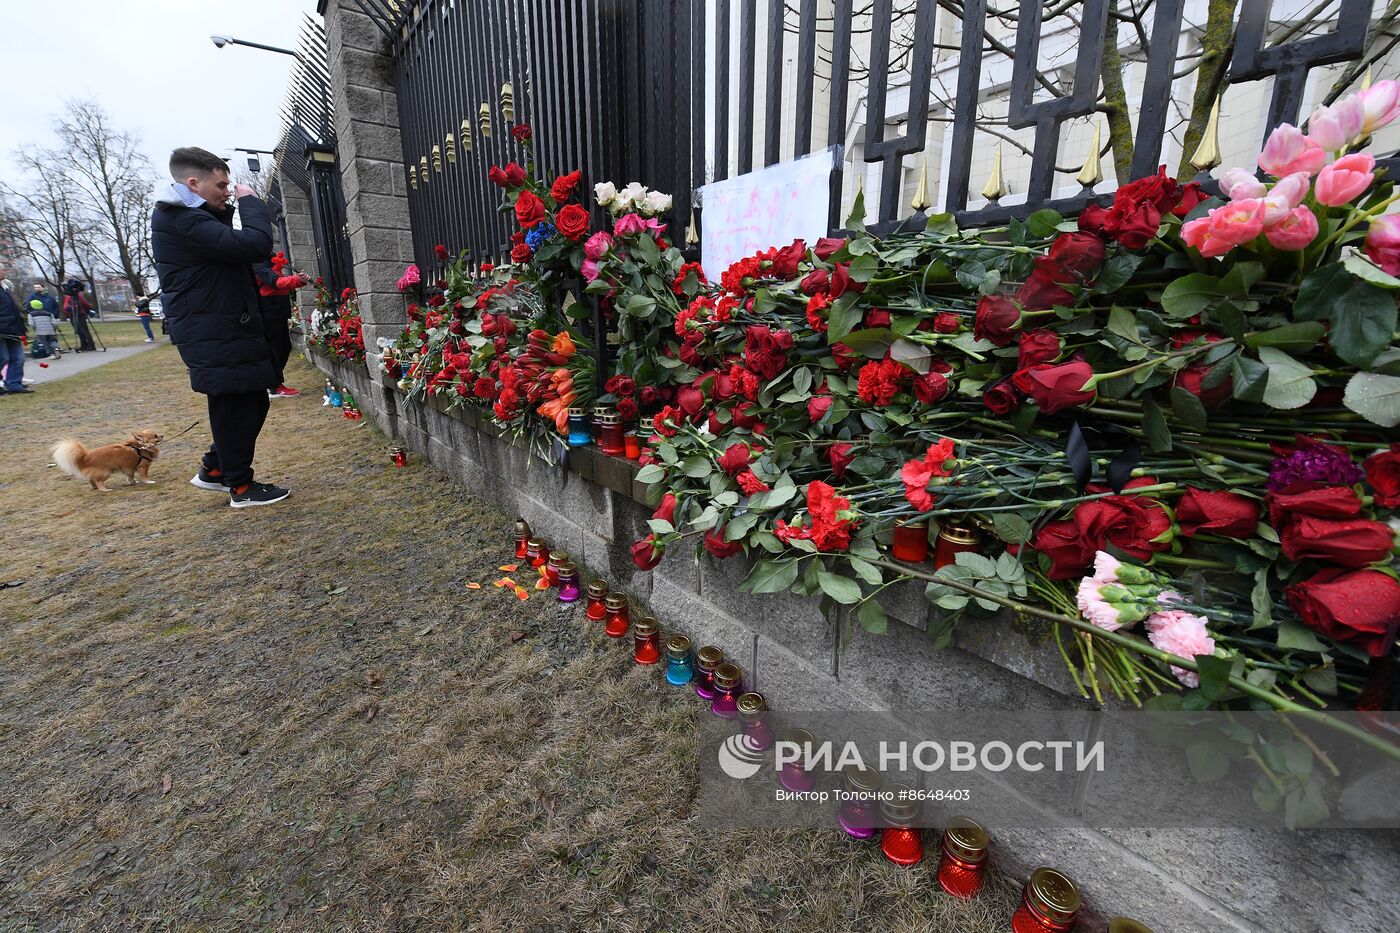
(210, 295)
(11, 322)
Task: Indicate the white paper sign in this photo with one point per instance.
(770, 207)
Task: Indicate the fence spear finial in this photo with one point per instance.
(507, 103)
(437, 158)
(466, 129)
(1207, 154)
(691, 237)
(484, 118)
(451, 149)
(1092, 173)
(995, 189)
(423, 169)
(921, 202)
(1366, 79)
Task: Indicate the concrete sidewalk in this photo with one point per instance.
(79, 362)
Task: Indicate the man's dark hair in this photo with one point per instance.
(192, 160)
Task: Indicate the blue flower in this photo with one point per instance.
(535, 237)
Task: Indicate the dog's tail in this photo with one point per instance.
(70, 456)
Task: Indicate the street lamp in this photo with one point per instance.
(221, 41)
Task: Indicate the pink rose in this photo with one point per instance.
(1381, 105)
(1345, 179)
(1182, 634)
(1239, 184)
(1333, 128)
(1295, 232)
(589, 270)
(1288, 150)
(1383, 243)
(597, 246)
(1226, 227)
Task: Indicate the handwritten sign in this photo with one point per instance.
(769, 207)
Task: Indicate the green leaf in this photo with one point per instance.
(1290, 383)
(1011, 528)
(1154, 426)
(866, 571)
(871, 616)
(1241, 278)
(1250, 377)
(740, 526)
(1230, 319)
(1190, 295)
(1296, 338)
(696, 466)
(1364, 269)
(1260, 600)
(651, 473)
(844, 315)
(1117, 271)
(1295, 636)
(778, 495)
(802, 379)
(1215, 676)
(1122, 323)
(660, 526)
(1362, 324)
(855, 221)
(842, 589)
(1375, 397)
(1207, 761)
(1189, 409)
(770, 577)
(1043, 223)
(863, 268)
(914, 355)
(942, 225)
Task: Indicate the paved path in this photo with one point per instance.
(78, 362)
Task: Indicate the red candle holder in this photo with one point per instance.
(399, 455)
(551, 568)
(1049, 903)
(597, 593)
(910, 542)
(952, 541)
(537, 552)
(618, 620)
(522, 537)
(646, 641)
(902, 842)
(963, 860)
(631, 446)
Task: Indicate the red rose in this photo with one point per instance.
(1093, 219)
(564, 186)
(1044, 288)
(644, 553)
(1079, 254)
(734, 459)
(817, 407)
(1361, 607)
(1332, 502)
(1130, 523)
(529, 210)
(841, 281)
(996, 319)
(666, 509)
(930, 388)
(844, 356)
(1134, 227)
(521, 132)
(1038, 346)
(946, 322)
(786, 259)
(1001, 398)
(520, 253)
(1383, 476)
(1228, 514)
(1055, 388)
(816, 281)
(1192, 379)
(716, 545)
(690, 400)
(572, 221)
(875, 317)
(1159, 190)
(741, 418)
(624, 386)
(1191, 195)
(649, 396)
(515, 175)
(828, 245)
(1352, 542)
(840, 457)
(763, 354)
(441, 252)
(497, 176)
(627, 408)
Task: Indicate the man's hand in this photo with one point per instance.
(242, 191)
(305, 279)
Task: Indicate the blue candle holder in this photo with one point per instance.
(579, 433)
(679, 669)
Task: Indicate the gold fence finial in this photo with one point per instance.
(437, 158)
(413, 176)
(921, 202)
(691, 237)
(995, 189)
(466, 129)
(484, 119)
(507, 103)
(423, 169)
(1366, 79)
(451, 149)
(1092, 172)
(1207, 154)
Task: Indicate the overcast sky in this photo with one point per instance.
(151, 65)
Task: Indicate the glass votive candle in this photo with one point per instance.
(569, 591)
(599, 413)
(398, 454)
(537, 552)
(579, 434)
(1049, 903)
(901, 841)
(646, 641)
(793, 775)
(728, 682)
(706, 660)
(753, 720)
(597, 593)
(646, 427)
(962, 860)
(910, 542)
(631, 446)
(522, 537)
(551, 567)
(618, 619)
(856, 815)
(952, 541)
(1124, 925)
(610, 439)
(678, 667)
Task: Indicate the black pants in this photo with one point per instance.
(279, 341)
(235, 421)
(82, 331)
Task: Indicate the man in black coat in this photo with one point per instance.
(211, 303)
(12, 332)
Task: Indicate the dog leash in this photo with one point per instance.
(186, 431)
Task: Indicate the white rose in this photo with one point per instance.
(657, 203)
(633, 196)
(605, 192)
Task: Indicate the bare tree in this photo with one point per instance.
(43, 212)
(113, 180)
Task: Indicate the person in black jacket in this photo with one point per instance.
(12, 332)
(276, 282)
(211, 303)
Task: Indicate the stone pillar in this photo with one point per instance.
(371, 165)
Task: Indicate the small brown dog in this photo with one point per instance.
(131, 457)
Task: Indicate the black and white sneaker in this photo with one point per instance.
(257, 494)
(202, 480)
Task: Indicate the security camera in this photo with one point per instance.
(220, 41)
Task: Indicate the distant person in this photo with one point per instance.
(275, 286)
(143, 314)
(12, 334)
(41, 319)
(211, 303)
(41, 293)
(76, 309)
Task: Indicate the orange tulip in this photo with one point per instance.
(563, 344)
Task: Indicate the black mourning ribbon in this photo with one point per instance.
(1081, 457)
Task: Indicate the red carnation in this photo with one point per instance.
(564, 186)
(996, 320)
(572, 220)
(751, 484)
(1360, 607)
(879, 381)
(1228, 514)
(441, 252)
(917, 474)
(720, 548)
(1055, 388)
(529, 210)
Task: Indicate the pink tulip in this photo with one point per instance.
(1226, 227)
(1334, 128)
(629, 224)
(1345, 179)
(1285, 195)
(1381, 103)
(1288, 150)
(1239, 183)
(1295, 232)
(1383, 243)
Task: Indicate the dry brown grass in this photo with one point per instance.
(352, 740)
